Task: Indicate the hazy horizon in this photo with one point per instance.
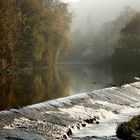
(99, 11)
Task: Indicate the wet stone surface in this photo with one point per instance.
(62, 118)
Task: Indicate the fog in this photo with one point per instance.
(100, 27)
(101, 11)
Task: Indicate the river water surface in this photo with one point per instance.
(29, 86)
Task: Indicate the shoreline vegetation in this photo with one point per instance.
(33, 33)
(129, 130)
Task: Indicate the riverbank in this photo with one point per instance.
(65, 117)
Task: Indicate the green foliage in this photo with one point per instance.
(129, 51)
(129, 130)
(130, 34)
(133, 27)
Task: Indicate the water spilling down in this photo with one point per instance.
(109, 122)
(111, 106)
(93, 115)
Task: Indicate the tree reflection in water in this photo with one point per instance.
(34, 86)
(29, 87)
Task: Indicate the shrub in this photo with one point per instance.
(129, 130)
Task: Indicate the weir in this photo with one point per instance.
(82, 116)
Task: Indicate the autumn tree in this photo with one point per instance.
(58, 32)
(10, 18)
(33, 32)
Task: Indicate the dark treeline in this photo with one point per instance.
(33, 32)
(127, 55)
(101, 46)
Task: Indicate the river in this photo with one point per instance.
(29, 86)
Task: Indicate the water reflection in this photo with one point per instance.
(29, 87)
(34, 86)
(86, 78)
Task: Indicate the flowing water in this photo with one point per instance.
(29, 86)
(109, 122)
(126, 105)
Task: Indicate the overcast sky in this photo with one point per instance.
(100, 11)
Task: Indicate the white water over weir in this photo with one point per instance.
(88, 116)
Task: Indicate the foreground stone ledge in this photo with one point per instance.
(58, 119)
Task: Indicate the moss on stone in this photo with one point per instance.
(129, 130)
